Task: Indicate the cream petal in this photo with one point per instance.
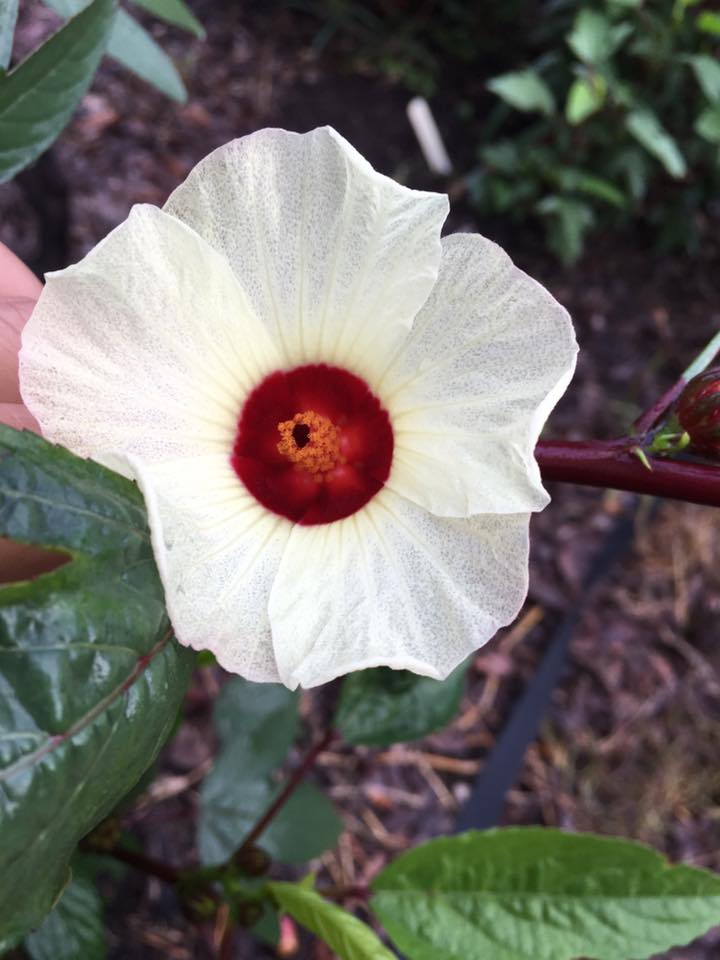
(394, 585)
(335, 257)
(488, 357)
(148, 346)
(218, 551)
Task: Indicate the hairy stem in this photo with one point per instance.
(612, 464)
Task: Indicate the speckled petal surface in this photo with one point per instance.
(335, 257)
(488, 357)
(147, 346)
(394, 585)
(218, 551)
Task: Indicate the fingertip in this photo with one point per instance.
(17, 416)
(17, 280)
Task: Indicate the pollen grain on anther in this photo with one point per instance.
(311, 441)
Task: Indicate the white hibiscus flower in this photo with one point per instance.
(331, 411)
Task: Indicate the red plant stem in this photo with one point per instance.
(293, 782)
(707, 357)
(647, 420)
(154, 868)
(611, 464)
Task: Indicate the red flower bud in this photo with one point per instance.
(699, 411)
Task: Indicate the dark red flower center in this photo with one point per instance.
(313, 444)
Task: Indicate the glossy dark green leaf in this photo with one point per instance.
(532, 892)
(73, 930)
(382, 706)
(341, 931)
(133, 47)
(174, 11)
(38, 97)
(8, 16)
(256, 724)
(90, 677)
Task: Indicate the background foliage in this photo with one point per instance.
(602, 113)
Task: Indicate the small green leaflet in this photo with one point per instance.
(256, 725)
(175, 12)
(648, 131)
(8, 16)
(585, 97)
(38, 97)
(131, 45)
(524, 90)
(90, 678)
(533, 892)
(594, 38)
(708, 124)
(341, 931)
(382, 706)
(709, 22)
(707, 73)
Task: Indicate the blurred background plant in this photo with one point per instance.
(39, 95)
(602, 114)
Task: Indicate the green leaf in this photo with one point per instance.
(707, 73)
(267, 929)
(709, 22)
(707, 124)
(532, 892)
(585, 97)
(73, 930)
(256, 724)
(571, 179)
(382, 706)
(568, 221)
(175, 12)
(257, 720)
(648, 131)
(38, 97)
(230, 805)
(594, 39)
(631, 164)
(524, 90)
(131, 45)
(306, 827)
(341, 931)
(8, 16)
(90, 678)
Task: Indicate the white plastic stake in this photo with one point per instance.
(428, 135)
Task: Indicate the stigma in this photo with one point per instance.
(312, 442)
